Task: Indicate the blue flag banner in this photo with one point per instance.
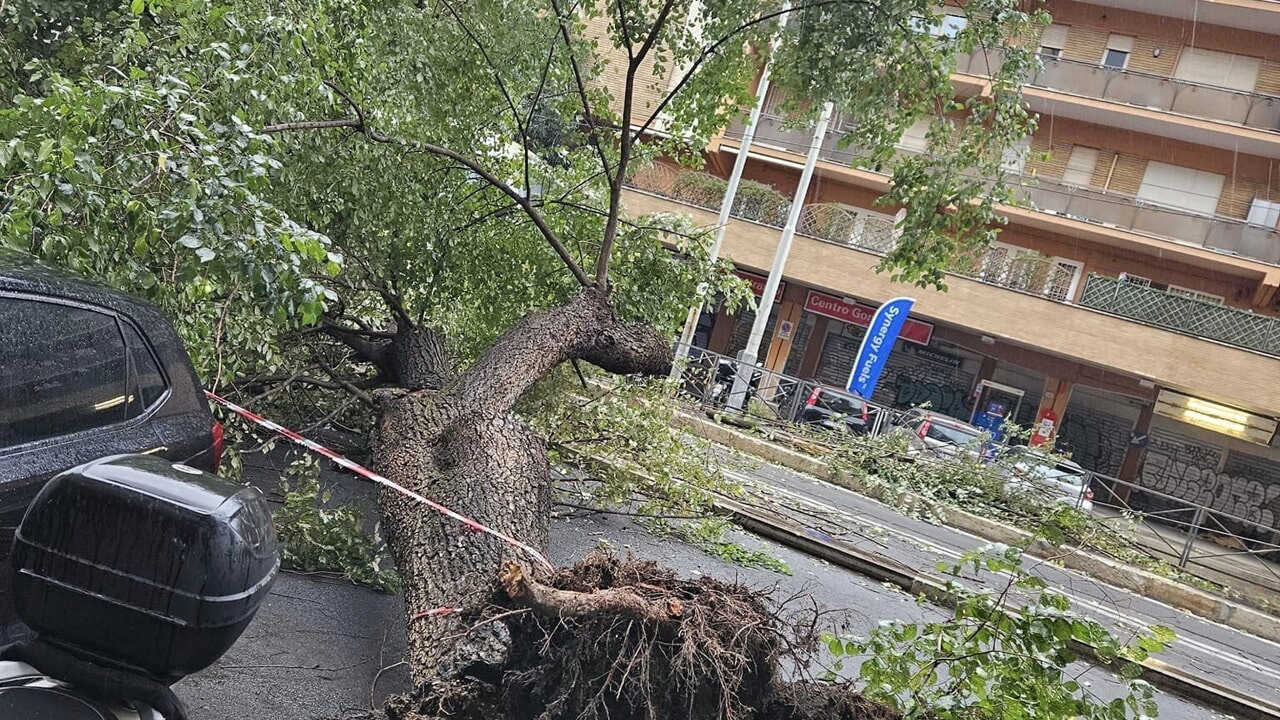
(882, 333)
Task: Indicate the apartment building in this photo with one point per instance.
(1133, 299)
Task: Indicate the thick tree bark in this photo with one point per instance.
(457, 442)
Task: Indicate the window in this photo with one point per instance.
(62, 369)
(1136, 279)
(1119, 47)
(1264, 213)
(1218, 69)
(146, 384)
(1014, 157)
(1080, 166)
(916, 138)
(1053, 40)
(951, 25)
(1196, 295)
(1181, 187)
(946, 25)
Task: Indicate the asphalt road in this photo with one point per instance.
(321, 649)
(1223, 654)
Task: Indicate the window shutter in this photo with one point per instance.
(1080, 166)
(1264, 213)
(1181, 187)
(1123, 43)
(1218, 69)
(1054, 36)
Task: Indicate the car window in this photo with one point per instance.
(62, 370)
(950, 434)
(840, 403)
(146, 383)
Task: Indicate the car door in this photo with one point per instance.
(67, 396)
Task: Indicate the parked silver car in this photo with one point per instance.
(1028, 470)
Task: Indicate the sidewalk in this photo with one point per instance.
(1245, 573)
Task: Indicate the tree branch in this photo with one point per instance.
(624, 151)
(715, 48)
(421, 146)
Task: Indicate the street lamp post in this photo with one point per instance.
(747, 358)
(730, 196)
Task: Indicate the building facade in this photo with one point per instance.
(1133, 299)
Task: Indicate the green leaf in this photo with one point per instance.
(137, 6)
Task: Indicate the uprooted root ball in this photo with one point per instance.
(614, 640)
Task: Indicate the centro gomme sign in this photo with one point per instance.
(854, 313)
(877, 344)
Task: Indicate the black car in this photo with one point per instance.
(835, 410)
(87, 372)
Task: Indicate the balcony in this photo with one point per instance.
(1238, 107)
(1231, 236)
(1239, 328)
(1023, 319)
(1002, 266)
(1219, 233)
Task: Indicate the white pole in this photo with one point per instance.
(747, 358)
(730, 195)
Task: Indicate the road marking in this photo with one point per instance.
(1123, 621)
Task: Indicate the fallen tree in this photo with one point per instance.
(402, 216)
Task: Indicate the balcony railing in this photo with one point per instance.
(1228, 325)
(1232, 236)
(1239, 107)
(842, 225)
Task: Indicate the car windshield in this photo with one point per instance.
(953, 434)
(836, 402)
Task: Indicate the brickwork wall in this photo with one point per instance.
(1269, 78)
(1055, 164)
(650, 87)
(1086, 44)
(1238, 194)
(1143, 59)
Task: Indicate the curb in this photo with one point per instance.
(819, 545)
(1127, 577)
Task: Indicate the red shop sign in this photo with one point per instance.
(915, 331)
(758, 283)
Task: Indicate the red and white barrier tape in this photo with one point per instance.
(368, 474)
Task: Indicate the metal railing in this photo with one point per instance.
(1221, 545)
(1159, 92)
(1025, 272)
(1200, 318)
(1142, 89)
(1226, 234)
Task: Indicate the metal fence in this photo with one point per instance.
(1183, 314)
(1219, 545)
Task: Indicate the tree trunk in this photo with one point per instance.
(461, 445)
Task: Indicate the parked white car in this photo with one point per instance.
(1028, 470)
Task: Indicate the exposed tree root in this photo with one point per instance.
(614, 640)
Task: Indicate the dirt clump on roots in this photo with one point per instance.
(609, 639)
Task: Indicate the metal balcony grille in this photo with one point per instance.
(1183, 314)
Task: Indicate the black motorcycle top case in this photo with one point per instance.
(139, 563)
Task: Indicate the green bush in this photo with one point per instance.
(699, 189)
(761, 203)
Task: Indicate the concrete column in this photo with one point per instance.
(788, 318)
(1056, 397)
(721, 332)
